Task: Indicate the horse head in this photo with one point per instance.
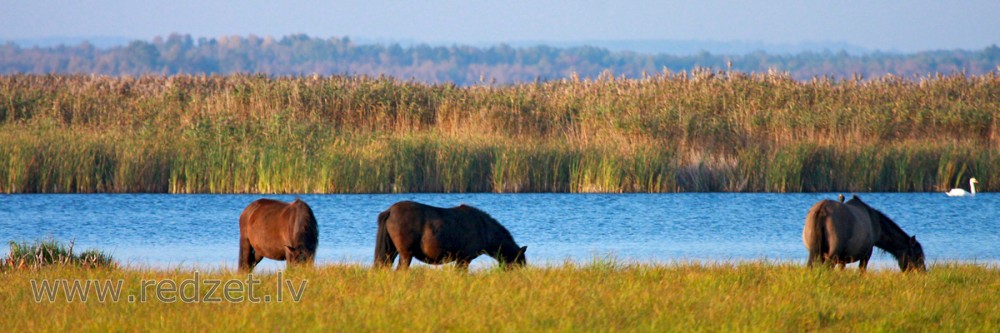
(299, 254)
(913, 258)
(514, 258)
(907, 251)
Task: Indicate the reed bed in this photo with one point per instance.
(669, 132)
(604, 295)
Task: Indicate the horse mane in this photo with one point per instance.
(889, 227)
(884, 220)
(491, 222)
(889, 223)
(305, 221)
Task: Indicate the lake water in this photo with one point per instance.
(165, 230)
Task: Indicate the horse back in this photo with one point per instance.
(406, 221)
(419, 218)
(271, 219)
(433, 231)
(864, 220)
(831, 224)
(259, 210)
(840, 231)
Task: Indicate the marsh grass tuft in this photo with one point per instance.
(46, 253)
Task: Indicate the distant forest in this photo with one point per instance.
(462, 65)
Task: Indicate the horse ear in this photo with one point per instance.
(523, 249)
(913, 239)
(290, 248)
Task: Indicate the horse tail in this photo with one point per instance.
(815, 239)
(247, 255)
(385, 250)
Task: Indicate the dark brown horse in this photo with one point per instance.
(839, 234)
(277, 230)
(440, 235)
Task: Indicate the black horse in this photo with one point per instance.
(839, 234)
(440, 235)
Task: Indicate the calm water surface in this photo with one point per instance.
(164, 230)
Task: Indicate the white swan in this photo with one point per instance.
(957, 192)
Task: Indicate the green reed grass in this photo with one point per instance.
(688, 131)
(605, 295)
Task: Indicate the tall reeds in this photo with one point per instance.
(688, 131)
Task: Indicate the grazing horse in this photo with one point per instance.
(440, 235)
(839, 234)
(277, 230)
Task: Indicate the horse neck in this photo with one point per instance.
(499, 237)
(301, 220)
(873, 217)
(892, 238)
(508, 245)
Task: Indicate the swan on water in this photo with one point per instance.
(957, 192)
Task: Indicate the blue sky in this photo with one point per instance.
(878, 25)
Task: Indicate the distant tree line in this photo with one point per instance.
(462, 65)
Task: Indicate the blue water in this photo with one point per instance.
(163, 230)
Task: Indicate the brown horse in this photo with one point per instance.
(277, 230)
(839, 234)
(440, 235)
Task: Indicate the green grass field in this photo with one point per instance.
(604, 295)
(667, 132)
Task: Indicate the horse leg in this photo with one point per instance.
(863, 261)
(255, 260)
(246, 256)
(404, 261)
(813, 258)
(837, 254)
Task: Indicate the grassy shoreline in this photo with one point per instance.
(668, 132)
(599, 296)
